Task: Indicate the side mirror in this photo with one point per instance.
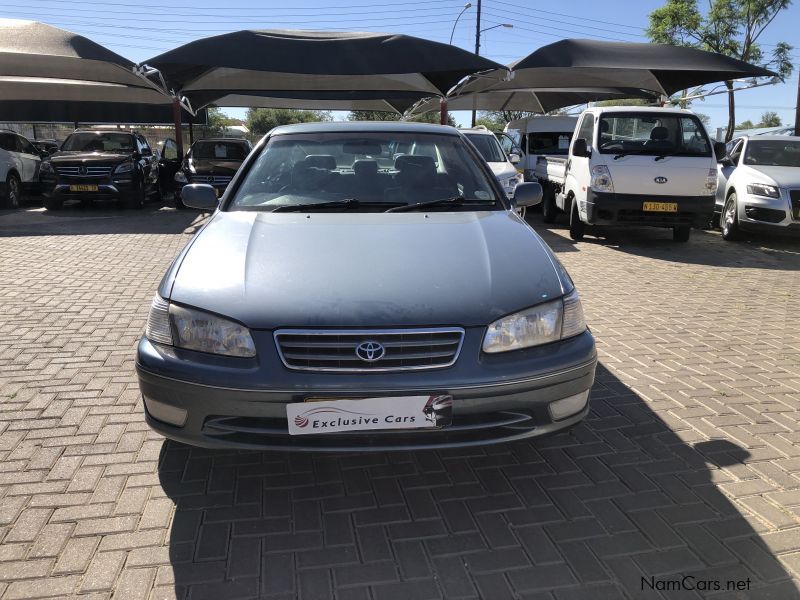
(579, 148)
(527, 194)
(514, 158)
(200, 196)
(720, 151)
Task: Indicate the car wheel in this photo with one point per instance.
(53, 203)
(13, 191)
(681, 233)
(729, 219)
(576, 227)
(157, 196)
(549, 208)
(136, 201)
(521, 210)
(178, 202)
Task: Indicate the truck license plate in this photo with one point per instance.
(346, 415)
(660, 207)
(83, 188)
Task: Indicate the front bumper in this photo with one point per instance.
(117, 189)
(760, 214)
(496, 403)
(627, 209)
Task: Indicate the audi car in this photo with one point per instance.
(347, 297)
(94, 166)
(213, 161)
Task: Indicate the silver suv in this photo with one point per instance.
(19, 167)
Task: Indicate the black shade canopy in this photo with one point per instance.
(309, 65)
(86, 111)
(39, 62)
(661, 68)
(533, 100)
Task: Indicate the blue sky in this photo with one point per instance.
(139, 30)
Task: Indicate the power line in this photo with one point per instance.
(248, 10)
(581, 18)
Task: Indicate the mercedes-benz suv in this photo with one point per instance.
(100, 165)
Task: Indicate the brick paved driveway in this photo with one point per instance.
(688, 465)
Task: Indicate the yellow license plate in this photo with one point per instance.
(83, 188)
(660, 207)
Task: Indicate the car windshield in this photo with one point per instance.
(379, 170)
(772, 153)
(99, 142)
(549, 142)
(219, 150)
(652, 134)
(488, 146)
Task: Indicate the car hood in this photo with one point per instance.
(365, 269)
(65, 158)
(215, 167)
(780, 176)
(502, 170)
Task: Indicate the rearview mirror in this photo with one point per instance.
(720, 151)
(200, 196)
(513, 158)
(527, 194)
(579, 148)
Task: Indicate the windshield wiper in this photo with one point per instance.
(454, 201)
(346, 203)
(621, 154)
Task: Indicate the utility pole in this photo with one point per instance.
(477, 49)
(796, 108)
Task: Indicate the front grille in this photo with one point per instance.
(794, 195)
(212, 179)
(90, 171)
(336, 350)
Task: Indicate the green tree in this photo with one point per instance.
(260, 120)
(770, 119)
(624, 102)
(377, 115)
(729, 27)
(492, 120)
(748, 124)
(215, 124)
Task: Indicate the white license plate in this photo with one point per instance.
(396, 412)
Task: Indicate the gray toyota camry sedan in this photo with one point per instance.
(364, 286)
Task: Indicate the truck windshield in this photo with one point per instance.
(772, 153)
(98, 142)
(379, 170)
(488, 146)
(219, 150)
(652, 134)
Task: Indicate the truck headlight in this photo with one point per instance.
(193, 329)
(761, 189)
(711, 181)
(601, 179)
(180, 177)
(541, 324)
(125, 167)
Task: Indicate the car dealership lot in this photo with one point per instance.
(686, 466)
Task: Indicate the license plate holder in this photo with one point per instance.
(83, 188)
(660, 207)
(345, 415)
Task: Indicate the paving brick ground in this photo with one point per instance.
(688, 465)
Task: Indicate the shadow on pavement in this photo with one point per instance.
(156, 218)
(621, 507)
(704, 247)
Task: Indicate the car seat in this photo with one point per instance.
(416, 181)
(369, 184)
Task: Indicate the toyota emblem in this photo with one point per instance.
(370, 351)
(660, 179)
(83, 170)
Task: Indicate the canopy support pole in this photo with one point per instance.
(191, 131)
(443, 111)
(176, 114)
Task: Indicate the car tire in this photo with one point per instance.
(729, 219)
(549, 209)
(136, 201)
(681, 233)
(577, 228)
(13, 191)
(53, 203)
(157, 196)
(178, 202)
(521, 210)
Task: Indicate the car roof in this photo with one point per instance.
(364, 126)
(774, 138)
(648, 109)
(221, 139)
(101, 131)
(477, 130)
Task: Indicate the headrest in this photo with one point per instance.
(659, 133)
(323, 161)
(365, 168)
(307, 177)
(603, 126)
(415, 163)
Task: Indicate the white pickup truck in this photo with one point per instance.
(538, 136)
(633, 166)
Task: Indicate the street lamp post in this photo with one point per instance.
(463, 10)
(478, 32)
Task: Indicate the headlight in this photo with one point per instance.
(601, 179)
(760, 189)
(180, 177)
(510, 184)
(711, 181)
(197, 330)
(542, 324)
(125, 167)
(46, 167)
